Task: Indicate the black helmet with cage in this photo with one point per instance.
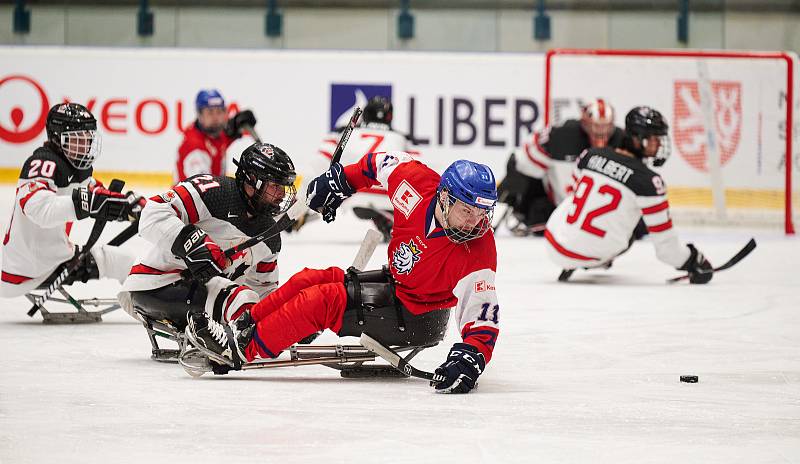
(265, 177)
(72, 129)
(647, 135)
(378, 111)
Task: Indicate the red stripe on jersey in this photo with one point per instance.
(233, 297)
(539, 146)
(14, 279)
(266, 266)
(564, 251)
(534, 160)
(188, 203)
(157, 199)
(656, 208)
(37, 187)
(661, 227)
(147, 270)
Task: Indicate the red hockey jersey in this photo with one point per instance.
(200, 153)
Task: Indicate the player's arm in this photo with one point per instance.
(168, 221)
(533, 159)
(39, 202)
(478, 316)
(669, 248)
(327, 192)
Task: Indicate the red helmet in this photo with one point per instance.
(597, 120)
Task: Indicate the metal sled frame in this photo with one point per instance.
(347, 359)
(163, 329)
(81, 315)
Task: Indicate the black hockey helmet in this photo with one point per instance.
(378, 110)
(265, 176)
(642, 123)
(73, 130)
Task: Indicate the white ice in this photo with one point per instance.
(583, 372)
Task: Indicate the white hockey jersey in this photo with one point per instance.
(372, 138)
(214, 204)
(37, 235)
(612, 192)
(550, 155)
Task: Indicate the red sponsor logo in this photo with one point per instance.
(149, 116)
(482, 286)
(689, 133)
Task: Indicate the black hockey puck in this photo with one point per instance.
(689, 378)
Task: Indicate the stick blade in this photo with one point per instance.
(371, 240)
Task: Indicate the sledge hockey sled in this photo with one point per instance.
(81, 315)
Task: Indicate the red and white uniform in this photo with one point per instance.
(214, 205)
(372, 138)
(611, 194)
(37, 241)
(550, 155)
(199, 153)
(432, 273)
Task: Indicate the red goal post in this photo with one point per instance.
(731, 117)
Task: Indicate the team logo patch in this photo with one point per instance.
(405, 257)
(266, 150)
(482, 286)
(405, 198)
(345, 97)
(168, 196)
(690, 132)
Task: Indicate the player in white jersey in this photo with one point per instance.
(192, 224)
(613, 190)
(374, 135)
(56, 188)
(539, 173)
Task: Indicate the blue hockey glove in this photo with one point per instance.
(463, 366)
(327, 192)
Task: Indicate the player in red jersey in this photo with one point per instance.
(205, 143)
(442, 255)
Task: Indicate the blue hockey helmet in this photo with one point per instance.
(210, 98)
(474, 185)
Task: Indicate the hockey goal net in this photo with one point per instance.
(732, 123)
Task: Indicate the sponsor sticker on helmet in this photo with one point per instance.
(484, 201)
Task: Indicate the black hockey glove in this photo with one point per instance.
(137, 203)
(327, 192)
(204, 258)
(237, 123)
(100, 203)
(463, 366)
(700, 270)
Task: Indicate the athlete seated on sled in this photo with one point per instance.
(189, 227)
(442, 255)
(56, 188)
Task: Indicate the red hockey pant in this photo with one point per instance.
(310, 301)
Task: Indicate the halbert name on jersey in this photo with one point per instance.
(610, 168)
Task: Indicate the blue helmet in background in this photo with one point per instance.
(472, 183)
(210, 98)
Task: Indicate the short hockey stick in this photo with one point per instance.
(97, 229)
(371, 240)
(299, 207)
(750, 246)
(397, 361)
(253, 133)
(125, 235)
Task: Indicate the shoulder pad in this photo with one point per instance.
(44, 163)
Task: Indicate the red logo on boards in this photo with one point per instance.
(18, 133)
(689, 133)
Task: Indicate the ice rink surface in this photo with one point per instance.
(586, 371)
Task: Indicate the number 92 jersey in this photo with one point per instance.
(612, 192)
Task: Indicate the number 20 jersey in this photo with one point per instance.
(612, 191)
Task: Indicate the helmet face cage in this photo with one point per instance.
(597, 120)
(662, 154)
(461, 235)
(81, 147)
(269, 197)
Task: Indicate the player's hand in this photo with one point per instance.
(204, 258)
(100, 203)
(237, 123)
(461, 370)
(327, 192)
(136, 204)
(699, 268)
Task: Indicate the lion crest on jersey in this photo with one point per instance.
(405, 256)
